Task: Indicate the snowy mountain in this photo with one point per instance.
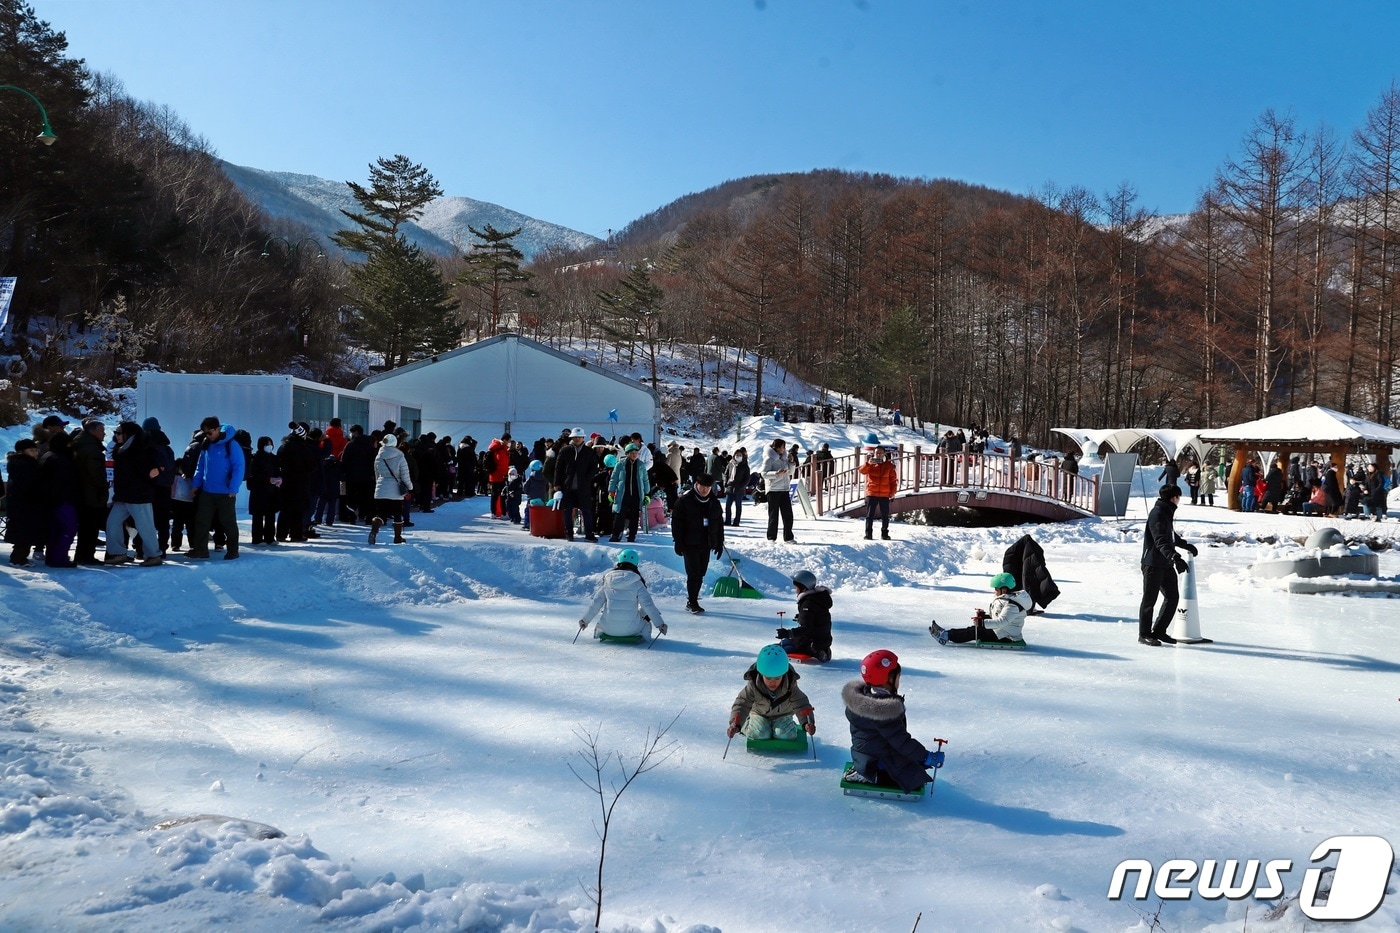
(316, 203)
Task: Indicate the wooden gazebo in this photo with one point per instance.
(1315, 430)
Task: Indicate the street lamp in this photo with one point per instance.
(47, 137)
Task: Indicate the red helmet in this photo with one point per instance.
(878, 667)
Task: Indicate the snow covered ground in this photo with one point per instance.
(406, 716)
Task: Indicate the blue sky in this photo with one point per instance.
(591, 113)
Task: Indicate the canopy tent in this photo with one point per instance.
(515, 384)
(1307, 430)
(1173, 441)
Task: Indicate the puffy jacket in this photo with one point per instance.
(391, 477)
(90, 459)
(625, 604)
(881, 478)
(132, 463)
(617, 484)
(221, 467)
(787, 700)
(880, 734)
(1008, 614)
(1159, 538)
(776, 470)
(500, 461)
(813, 632)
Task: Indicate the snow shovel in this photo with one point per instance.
(733, 585)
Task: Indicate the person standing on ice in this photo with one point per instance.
(1160, 566)
(812, 636)
(392, 482)
(622, 599)
(1002, 621)
(882, 750)
(771, 705)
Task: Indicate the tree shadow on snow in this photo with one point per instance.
(952, 801)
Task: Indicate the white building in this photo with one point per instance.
(513, 384)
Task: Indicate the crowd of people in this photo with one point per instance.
(1303, 486)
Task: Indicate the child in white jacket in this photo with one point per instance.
(1002, 621)
(622, 599)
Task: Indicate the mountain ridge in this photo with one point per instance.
(316, 203)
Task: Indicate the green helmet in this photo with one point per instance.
(629, 556)
(1003, 579)
(772, 661)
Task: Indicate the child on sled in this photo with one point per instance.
(882, 750)
(771, 705)
(626, 608)
(812, 636)
(1000, 622)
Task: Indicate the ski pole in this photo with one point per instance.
(726, 749)
(577, 634)
(654, 638)
(937, 762)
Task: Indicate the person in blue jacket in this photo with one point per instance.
(217, 477)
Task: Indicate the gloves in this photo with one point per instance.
(810, 728)
(784, 633)
(582, 623)
(662, 628)
(1179, 563)
(928, 760)
(719, 551)
(733, 727)
(679, 549)
(1191, 549)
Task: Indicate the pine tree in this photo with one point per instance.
(493, 271)
(633, 313)
(404, 308)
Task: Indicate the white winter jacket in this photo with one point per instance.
(625, 605)
(391, 477)
(1008, 614)
(777, 472)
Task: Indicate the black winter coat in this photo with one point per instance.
(575, 467)
(698, 524)
(60, 475)
(1159, 538)
(26, 501)
(90, 461)
(132, 464)
(357, 459)
(1025, 560)
(813, 633)
(879, 731)
(263, 497)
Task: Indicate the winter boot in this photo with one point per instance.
(938, 632)
(374, 525)
(398, 532)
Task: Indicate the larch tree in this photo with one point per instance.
(493, 273)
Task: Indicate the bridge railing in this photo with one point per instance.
(840, 484)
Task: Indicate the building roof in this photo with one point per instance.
(1307, 428)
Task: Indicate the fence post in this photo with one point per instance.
(918, 465)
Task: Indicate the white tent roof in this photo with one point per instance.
(1173, 441)
(1316, 425)
(513, 383)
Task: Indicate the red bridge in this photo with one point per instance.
(1034, 488)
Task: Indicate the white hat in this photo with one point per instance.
(389, 441)
(577, 432)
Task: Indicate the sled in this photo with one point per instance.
(1017, 645)
(620, 639)
(733, 585)
(778, 746)
(804, 658)
(878, 791)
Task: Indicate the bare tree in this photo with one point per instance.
(594, 773)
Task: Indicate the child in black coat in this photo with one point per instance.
(812, 636)
(882, 750)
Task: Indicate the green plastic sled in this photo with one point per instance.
(620, 639)
(779, 746)
(879, 791)
(1017, 645)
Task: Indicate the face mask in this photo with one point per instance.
(267, 448)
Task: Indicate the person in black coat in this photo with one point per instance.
(882, 750)
(135, 466)
(574, 470)
(26, 502)
(90, 459)
(263, 480)
(664, 478)
(296, 460)
(812, 636)
(1160, 565)
(60, 478)
(466, 468)
(697, 526)
(1376, 493)
(357, 465)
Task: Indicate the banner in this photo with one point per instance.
(7, 290)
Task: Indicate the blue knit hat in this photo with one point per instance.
(871, 439)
